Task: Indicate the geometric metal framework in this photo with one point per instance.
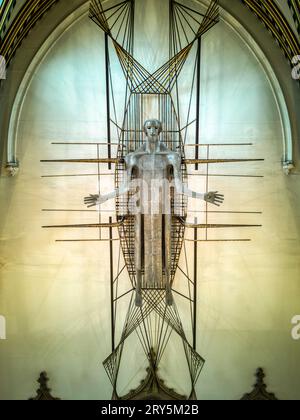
(154, 322)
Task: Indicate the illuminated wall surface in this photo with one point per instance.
(55, 296)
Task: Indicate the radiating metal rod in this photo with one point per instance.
(195, 288)
(111, 260)
(186, 161)
(107, 80)
(218, 145)
(224, 212)
(227, 176)
(78, 211)
(83, 144)
(219, 240)
(112, 174)
(104, 160)
(182, 295)
(69, 211)
(76, 175)
(124, 294)
(86, 240)
(87, 226)
(213, 225)
(198, 91)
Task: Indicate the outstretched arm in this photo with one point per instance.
(212, 197)
(94, 200)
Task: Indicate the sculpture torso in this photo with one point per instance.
(152, 164)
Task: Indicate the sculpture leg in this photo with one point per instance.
(153, 251)
(156, 253)
(168, 258)
(138, 260)
(148, 279)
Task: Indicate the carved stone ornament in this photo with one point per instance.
(288, 167)
(43, 393)
(260, 392)
(152, 389)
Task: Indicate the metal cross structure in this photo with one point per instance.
(155, 321)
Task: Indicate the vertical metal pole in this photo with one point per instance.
(207, 188)
(107, 73)
(198, 102)
(112, 285)
(195, 285)
(132, 26)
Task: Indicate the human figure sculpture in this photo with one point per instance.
(157, 170)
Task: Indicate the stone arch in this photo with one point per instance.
(283, 89)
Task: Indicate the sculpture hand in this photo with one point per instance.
(214, 198)
(93, 200)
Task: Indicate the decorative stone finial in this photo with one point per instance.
(43, 393)
(259, 392)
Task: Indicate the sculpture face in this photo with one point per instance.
(152, 128)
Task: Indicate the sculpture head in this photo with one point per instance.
(152, 129)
